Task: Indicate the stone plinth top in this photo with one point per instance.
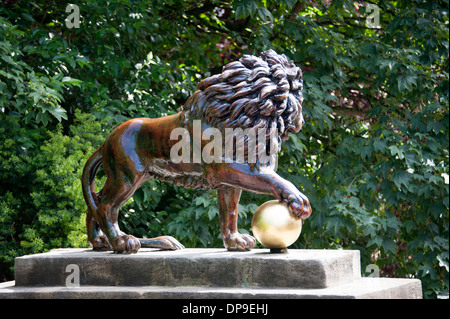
(200, 273)
(192, 267)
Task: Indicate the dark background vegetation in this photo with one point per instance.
(372, 156)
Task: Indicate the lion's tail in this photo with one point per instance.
(88, 179)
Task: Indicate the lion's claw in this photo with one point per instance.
(298, 204)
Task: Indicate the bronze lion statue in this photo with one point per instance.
(261, 93)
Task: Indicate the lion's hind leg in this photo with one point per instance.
(118, 189)
(95, 235)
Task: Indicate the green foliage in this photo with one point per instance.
(25, 91)
(41, 203)
(372, 156)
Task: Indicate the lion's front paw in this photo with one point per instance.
(298, 204)
(126, 244)
(239, 242)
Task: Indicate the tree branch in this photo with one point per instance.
(299, 6)
(349, 112)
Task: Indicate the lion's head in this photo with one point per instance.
(254, 92)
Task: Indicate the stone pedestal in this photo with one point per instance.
(200, 273)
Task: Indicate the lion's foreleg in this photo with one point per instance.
(228, 199)
(266, 182)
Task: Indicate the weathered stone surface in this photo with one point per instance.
(202, 273)
(365, 288)
(192, 267)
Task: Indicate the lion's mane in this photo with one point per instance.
(254, 92)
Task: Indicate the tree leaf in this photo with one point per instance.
(406, 81)
(400, 178)
(72, 81)
(59, 113)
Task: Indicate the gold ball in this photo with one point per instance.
(274, 226)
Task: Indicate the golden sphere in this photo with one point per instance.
(274, 226)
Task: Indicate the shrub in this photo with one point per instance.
(41, 202)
